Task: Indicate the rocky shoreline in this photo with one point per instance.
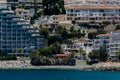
(106, 66)
(81, 65)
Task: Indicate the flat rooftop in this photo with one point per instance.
(91, 7)
(3, 1)
(104, 34)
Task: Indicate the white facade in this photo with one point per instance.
(111, 42)
(87, 45)
(92, 2)
(102, 40)
(114, 43)
(94, 10)
(70, 48)
(30, 3)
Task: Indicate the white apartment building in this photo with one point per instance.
(92, 2)
(111, 41)
(94, 11)
(27, 3)
(114, 43)
(30, 3)
(86, 45)
(70, 48)
(102, 40)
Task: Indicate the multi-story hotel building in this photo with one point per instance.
(111, 42)
(114, 43)
(93, 10)
(16, 32)
(102, 40)
(31, 3)
(27, 3)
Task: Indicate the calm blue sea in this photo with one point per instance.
(55, 74)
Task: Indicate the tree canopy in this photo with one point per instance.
(92, 35)
(54, 38)
(94, 54)
(52, 7)
(103, 53)
(100, 55)
(117, 27)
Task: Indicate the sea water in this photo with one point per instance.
(57, 74)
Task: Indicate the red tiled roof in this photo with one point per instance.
(61, 55)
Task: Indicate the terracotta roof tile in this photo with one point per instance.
(61, 55)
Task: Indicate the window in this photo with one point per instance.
(19, 12)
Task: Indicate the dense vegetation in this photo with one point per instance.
(52, 61)
(53, 46)
(5, 56)
(51, 7)
(99, 27)
(93, 35)
(48, 51)
(117, 27)
(61, 35)
(46, 57)
(98, 55)
(65, 35)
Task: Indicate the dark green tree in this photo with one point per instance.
(53, 7)
(55, 48)
(103, 53)
(94, 55)
(117, 27)
(92, 35)
(118, 55)
(34, 54)
(72, 29)
(44, 32)
(67, 41)
(64, 33)
(45, 52)
(54, 38)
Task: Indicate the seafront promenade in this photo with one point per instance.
(109, 66)
(13, 64)
(26, 65)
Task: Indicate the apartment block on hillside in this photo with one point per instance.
(111, 42)
(93, 10)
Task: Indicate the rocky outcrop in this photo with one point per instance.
(107, 66)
